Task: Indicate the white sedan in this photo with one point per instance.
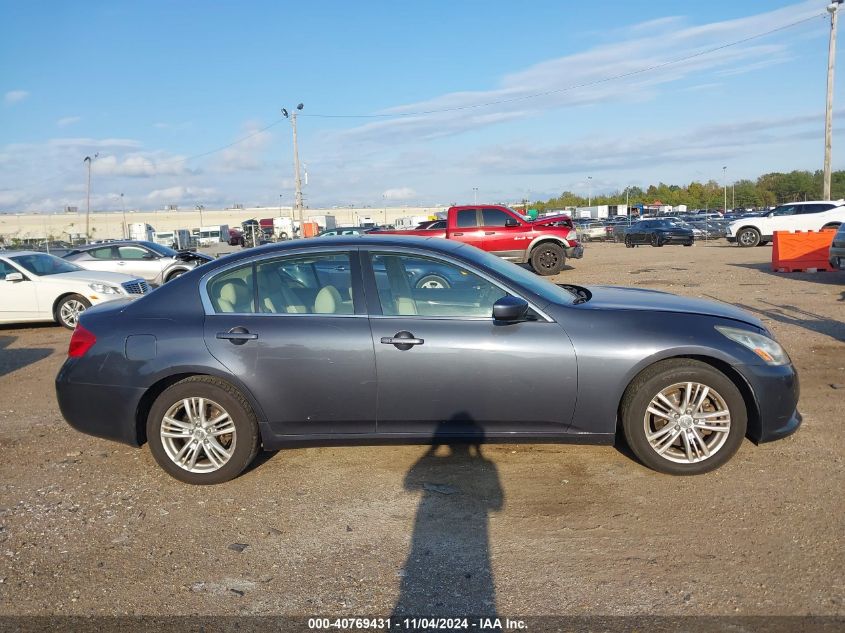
(41, 287)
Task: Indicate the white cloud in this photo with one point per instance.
(180, 193)
(15, 96)
(139, 165)
(246, 155)
(400, 193)
(68, 120)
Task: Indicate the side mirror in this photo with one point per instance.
(510, 308)
(14, 277)
(150, 256)
(510, 222)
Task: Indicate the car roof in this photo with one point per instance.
(87, 247)
(11, 253)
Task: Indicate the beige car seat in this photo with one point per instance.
(276, 297)
(234, 296)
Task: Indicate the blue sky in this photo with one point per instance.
(148, 86)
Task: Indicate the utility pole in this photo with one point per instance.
(297, 201)
(590, 194)
(725, 181)
(200, 208)
(88, 160)
(833, 9)
(123, 207)
(475, 195)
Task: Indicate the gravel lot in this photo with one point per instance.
(92, 527)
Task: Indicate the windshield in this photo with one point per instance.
(161, 250)
(42, 264)
(527, 279)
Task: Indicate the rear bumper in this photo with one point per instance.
(574, 252)
(837, 257)
(103, 411)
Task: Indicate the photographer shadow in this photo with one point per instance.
(448, 572)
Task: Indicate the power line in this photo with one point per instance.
(572, 87)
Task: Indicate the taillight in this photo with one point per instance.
(80, 342)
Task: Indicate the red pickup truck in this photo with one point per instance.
(545, 243)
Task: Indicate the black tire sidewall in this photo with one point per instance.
(246, 428)
(535, 255)
(661, 376)
(754, 232)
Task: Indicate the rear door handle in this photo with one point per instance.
(489, 232)
(237, 336)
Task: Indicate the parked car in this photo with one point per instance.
(236, 237)
(37, 287)
(594, 231)
(837, 249)
(658, 232)
(795, 216)
(214, 366)
(155, 263)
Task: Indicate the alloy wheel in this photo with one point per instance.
(687, 422)
(198, 435)
(70, 311)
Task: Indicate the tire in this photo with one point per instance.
(433, 281)
(688, 243)
(831, 226)
(547, 259)
(174, 275)
(68, 310)
(669, 377)
(239, 446)
(628, 242)
(748, 237)
(655, 240)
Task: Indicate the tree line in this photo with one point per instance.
(768, 190)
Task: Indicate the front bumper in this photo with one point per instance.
(731, 238)
(574, 252)
(676, 239)
(775, 391)
(837, 257)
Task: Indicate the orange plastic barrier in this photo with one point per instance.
(798, 250)
(310, 229)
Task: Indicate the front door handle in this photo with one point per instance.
(402, 340)
(457, 234)
(237, 336)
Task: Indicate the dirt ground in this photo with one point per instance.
(89, 526)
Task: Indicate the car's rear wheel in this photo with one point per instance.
(683, 417)
(547, 259)
(69, 309)
(628, 242)
(655, 240)
(201, 430)
(433, 281)
(748, 237)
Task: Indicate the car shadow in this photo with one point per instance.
(834, 277)
(13, 359)
(448, 569)
(793, 315)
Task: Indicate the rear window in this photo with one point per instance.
(467, 218)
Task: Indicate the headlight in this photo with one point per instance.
(767, 349)
(104, 289)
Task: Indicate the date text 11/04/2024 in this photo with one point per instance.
(417, 623)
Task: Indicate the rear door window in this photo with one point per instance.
(307, 284)
(467, 218)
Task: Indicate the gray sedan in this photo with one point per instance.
(303, 342)
(153, 262)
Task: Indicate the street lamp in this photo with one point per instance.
(725, 182)
(590, 195)
(88, 160)
(297, 202)
(475, 195)
(200, 208)
(123, 207)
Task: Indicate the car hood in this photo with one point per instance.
(619, 298)
(91, 276)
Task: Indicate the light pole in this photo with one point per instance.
(297, 201)
(88, 160)
(833, 9)
(200, 208)
(475, 195)
(725, 181)
(590, 194)
(123, 208)
(384, 208)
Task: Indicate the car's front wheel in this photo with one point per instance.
(628, 242)
(202, 430)
(547, 259)
(175, 274)
(683, 417)
(748, 237)
(655, 240)
(68, 310)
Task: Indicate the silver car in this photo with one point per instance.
(155, 263)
